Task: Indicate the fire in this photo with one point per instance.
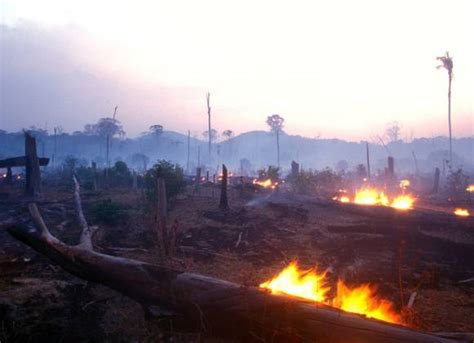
(304, 284)
(370, 196)
(373, 197)
(363, 300)
(461, 212)
(403, 202)
(470, 188)
(312, 285)
(265, 183)
(344, 199)
(404, 184)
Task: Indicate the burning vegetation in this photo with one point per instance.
(374, 197)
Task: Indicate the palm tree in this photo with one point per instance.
(447, 63)
(276, 125)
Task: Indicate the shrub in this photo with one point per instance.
(171, 173)
(323, 182)
(456, 184)
(119, 174)
(107, 211)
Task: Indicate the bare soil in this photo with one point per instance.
(257, 237)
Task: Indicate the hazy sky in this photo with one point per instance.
(331, 68)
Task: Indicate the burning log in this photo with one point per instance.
(224, 308)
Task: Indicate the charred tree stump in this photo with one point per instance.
(198, 180)
(94, 176)
(9, 176)
(295, 169)
(436, 181)
(33, 177)
(224, 308)
(391, 167)
(161, 217)
(224, 204)
(368, 159)
(134, 181)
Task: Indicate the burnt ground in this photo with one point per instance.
(401, 255)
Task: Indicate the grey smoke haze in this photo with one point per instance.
(50, 77)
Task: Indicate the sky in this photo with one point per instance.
(332, 69)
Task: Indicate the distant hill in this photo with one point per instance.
(258, 147)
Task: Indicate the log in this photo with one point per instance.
(226, 308)
(219, 307)
(20, 161)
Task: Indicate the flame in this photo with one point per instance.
(370, 196)
(304, 284)
(265, 183)
(403, 202)
(470, 188)
(404, 184)
(344, 199)
(363, 300)
(461, 212)
(312, 285)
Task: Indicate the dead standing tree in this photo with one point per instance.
(225, 308)
(208, 101)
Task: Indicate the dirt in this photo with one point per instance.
(257, 237)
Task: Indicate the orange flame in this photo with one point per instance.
(470, 188)
(370, 196)
(373, 197)
(304, 284)
(265, 183)
(404, 184)
(403, 202)
(312, 285)
(363, 300)
(462, 212)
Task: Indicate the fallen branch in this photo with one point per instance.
(226, 308)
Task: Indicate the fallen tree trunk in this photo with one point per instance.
(21, 162)
(217, 307)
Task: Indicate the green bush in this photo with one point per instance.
(107, 211)
(456, 184)
(323, 182)
(171, 173)
(119, 175)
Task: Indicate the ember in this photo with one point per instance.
(312, 285)
(462, 212)
(470, 188)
